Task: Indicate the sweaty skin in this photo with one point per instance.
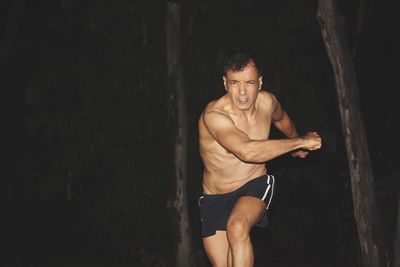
(234, 146)
(234, 131)
(223, 170)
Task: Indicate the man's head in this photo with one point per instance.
(237, 60)
(242, 79)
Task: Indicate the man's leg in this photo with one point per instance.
(246, 213)
(216, 247)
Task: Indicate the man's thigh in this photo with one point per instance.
(216, 247)
(250, 208)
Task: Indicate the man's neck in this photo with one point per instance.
(248, 114)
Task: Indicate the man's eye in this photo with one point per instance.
(251, 82)
(233, 82)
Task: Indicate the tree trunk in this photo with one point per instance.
(177, 95)
(11, 29)
(396, 243)
(365, 209)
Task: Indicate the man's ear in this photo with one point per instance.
(259, 83)
(224, 79)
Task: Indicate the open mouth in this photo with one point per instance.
(243, 100)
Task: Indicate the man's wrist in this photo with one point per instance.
(299, 142)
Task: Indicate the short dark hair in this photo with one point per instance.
(237, 59)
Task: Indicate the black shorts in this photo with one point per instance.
(215, 209)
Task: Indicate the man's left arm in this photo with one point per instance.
(283, 123)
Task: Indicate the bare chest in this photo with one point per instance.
(257, 128)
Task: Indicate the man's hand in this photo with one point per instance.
(299, 154)
(312, 141)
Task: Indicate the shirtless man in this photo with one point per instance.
(234, 147)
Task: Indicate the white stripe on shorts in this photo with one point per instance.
(267, 190)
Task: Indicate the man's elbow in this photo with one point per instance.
(250, 155)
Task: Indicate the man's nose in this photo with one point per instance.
(242, 88)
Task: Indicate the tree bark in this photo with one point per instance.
(362, 184)
(396, 242)
(11, 29)
(177, 95)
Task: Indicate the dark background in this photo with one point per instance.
(88, 127)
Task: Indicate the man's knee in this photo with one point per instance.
(238, 228)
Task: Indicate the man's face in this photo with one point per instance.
(243, 86)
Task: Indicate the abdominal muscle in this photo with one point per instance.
(231, 177)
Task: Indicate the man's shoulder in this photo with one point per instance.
(217, 106)
(213, 117)
(266, 96)
(215, 113)
(266, 100)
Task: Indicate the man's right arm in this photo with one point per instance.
(224, 131)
